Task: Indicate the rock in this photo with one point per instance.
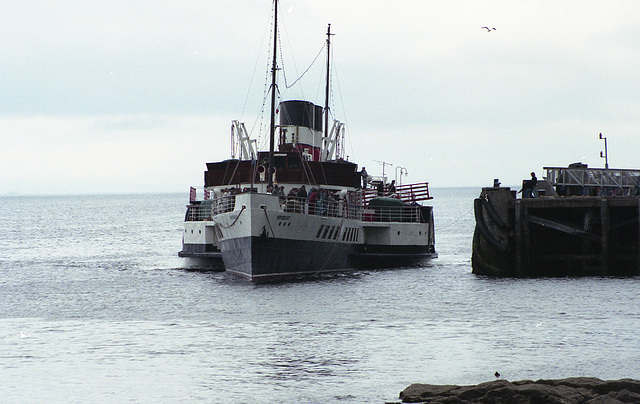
(573, 390)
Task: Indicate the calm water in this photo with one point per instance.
(95, 306)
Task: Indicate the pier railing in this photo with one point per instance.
(628, 181)
(206, 209)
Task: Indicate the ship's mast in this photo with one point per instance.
(274, 68)
(327, 88)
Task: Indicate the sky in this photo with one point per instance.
(136, 96)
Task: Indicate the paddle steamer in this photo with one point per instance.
(300, 208)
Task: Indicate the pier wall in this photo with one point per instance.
(555, 236)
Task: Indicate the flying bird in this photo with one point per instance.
(488, 29)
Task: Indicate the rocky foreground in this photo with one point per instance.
(587, 390)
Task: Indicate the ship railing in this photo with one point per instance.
(341, 208)
(329, 207)
(332, 207)
(196, 213)
(408, 193)
(207, 208)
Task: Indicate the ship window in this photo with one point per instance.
(280, 162)
(324, 233)
(319, 231)
(294, 163)
(337, 233)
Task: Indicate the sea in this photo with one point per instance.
(96, 306)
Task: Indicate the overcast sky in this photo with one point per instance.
(137, 95)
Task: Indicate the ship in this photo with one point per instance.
(300, 208)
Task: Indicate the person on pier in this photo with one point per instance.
(529, 187)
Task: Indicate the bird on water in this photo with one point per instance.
(497, 375)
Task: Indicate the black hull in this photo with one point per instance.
(266, 258)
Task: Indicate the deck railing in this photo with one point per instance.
(408, 193)
(206, 209)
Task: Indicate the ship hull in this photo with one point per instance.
(263, 258)
(260, 241)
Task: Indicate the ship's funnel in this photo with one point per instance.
(301, 113)
(301, 128)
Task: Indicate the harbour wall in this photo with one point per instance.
(555, 236)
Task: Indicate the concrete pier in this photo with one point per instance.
(555, 235)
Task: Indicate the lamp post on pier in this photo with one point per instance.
(605, 155)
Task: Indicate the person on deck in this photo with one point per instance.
(313, 198)
(301, 198)
(302, 193)
(392, 187)
(365, 178)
